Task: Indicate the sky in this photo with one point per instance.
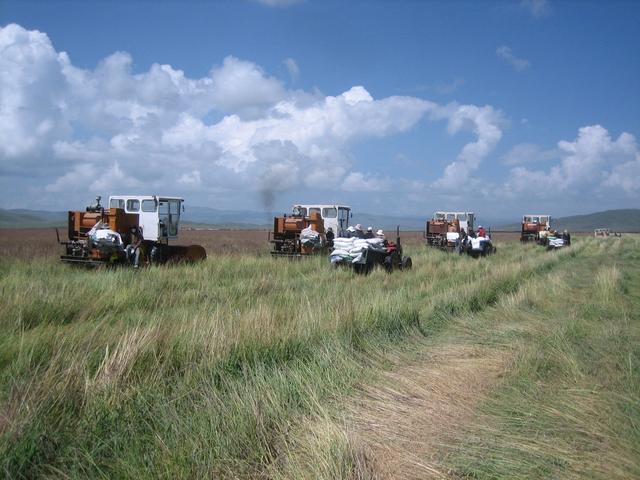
(392, 107)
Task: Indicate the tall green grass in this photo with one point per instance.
(570, 406)
(211, 369)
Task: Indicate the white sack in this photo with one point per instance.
(452, 236)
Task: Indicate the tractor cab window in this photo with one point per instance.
(148, 205)
(451, 217)
(544, 219)
(329, 212)
(314, 210)
(439, 216)
(169, 213)
(298, 211)
(133, 205)
(116, 203)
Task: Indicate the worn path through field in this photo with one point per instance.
(408, 421)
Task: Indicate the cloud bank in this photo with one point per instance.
(110, 128)
(69, 133)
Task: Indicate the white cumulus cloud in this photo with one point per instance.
(593, 162)
(74, 131)
(519, 64)
(486, 124)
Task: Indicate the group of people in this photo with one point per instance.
(359, 232)
(481, 232)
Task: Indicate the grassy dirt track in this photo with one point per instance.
(521, 365)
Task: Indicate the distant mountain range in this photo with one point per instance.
(623, 220)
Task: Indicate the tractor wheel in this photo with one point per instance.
(388, 263)
(406, 263)
(362, 268)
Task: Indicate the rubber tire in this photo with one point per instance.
(406, 263)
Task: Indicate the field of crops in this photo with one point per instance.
(520, 365)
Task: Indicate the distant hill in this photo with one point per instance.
(21, 218)
(622, 220)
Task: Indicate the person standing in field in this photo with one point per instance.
(330, 237)
(135, 247)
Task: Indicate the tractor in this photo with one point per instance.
(304, 232)
(535, 228)
(444, 229)
(98, 235)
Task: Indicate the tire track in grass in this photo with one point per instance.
(408, 421)
(391, 426)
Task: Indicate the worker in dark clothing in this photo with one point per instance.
(461, 242)
(136, 246)
(369, 233)
(566, 236)
(330, 237)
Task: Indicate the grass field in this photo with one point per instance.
(520, 365)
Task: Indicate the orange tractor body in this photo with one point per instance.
(288, 239)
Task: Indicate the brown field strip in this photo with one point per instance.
(406, 420)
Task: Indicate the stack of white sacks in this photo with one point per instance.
(352, 249)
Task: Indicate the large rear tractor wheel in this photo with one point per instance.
(406, 263)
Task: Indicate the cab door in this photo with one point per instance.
(168, 218)
(149, 219)
(343, 221)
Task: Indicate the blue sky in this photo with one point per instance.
(393, 107)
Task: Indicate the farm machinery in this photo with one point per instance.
(534, 228)
(100, 236)
(364, 254)
(605, 232)
(308, 230)
(444, 229)
(537, 228)
(455, 231)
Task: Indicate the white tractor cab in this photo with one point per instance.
(466, 219)
(158, 216)
(335, 217)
